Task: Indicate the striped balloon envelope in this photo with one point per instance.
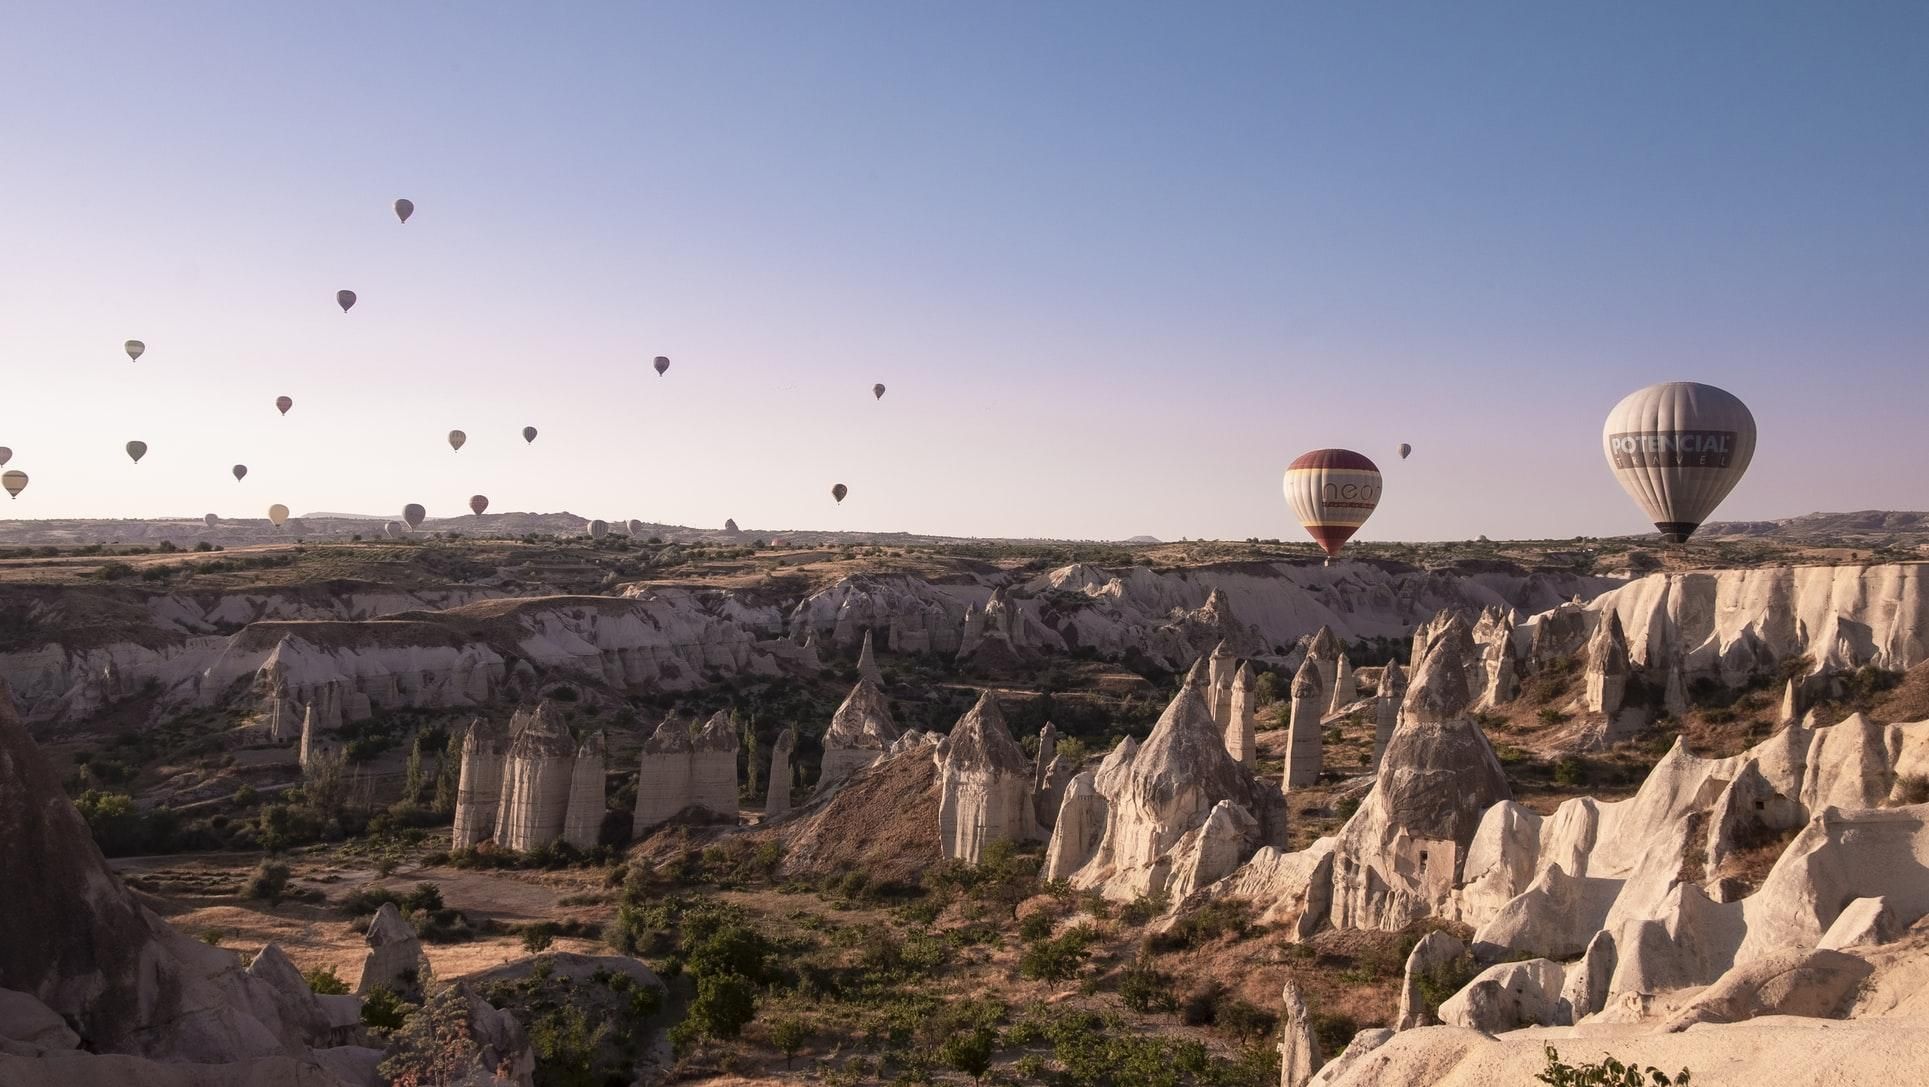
(1333, 492)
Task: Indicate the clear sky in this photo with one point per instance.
(1117, 263)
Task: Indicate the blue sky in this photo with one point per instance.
(1117, 263)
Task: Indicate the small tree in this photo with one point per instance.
(268, 882)
(970, 1052)
(324, 981)
(724, 1003)
(537, 938)
(789, 1035)
(412, 773)
(448, 775)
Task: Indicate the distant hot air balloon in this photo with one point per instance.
(478, 503)
(1405, 450)
(345, 299)
(662, 364)
(137, 450)
(636, 529)
(15, 481)
(528, 434)
(135, 349)
(598, 529)
(5, 454)
(877, 392)
(1333, 491)
(209, 519)
(394, 529)
(404, 208)
(283, 403)
(413, 513)
(1678, 448)
(278, 514)
(839, 491)
(239, 471)
(456, 438)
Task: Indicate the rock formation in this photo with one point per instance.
(860, 732)
(1323, 649)
(1305, 744)
(713, 767)
(1299, 1055)
(1607, 668)
(479, 786)
(986, 784)
(1436, 953)
(1346, 688)
(536, 777)
(1178, 812)
(1240, 741)
(588, 784)
(394, 960)
(1082, 813)
(1386, 708)
(663, 778)
(867, 662)
(777, 797)
(1220, 669)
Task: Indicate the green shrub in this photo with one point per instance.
(383, 1010)
(1060, 958)
(325, 982)
(1607, 1073)
(1145, 989)
(723, 1004)
(268, 882)
(970, 1052)
(789, 1035)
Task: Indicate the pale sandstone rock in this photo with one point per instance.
(867, 662)
(1210, 851)
(1305, 744)
(1363, 1043)
(536, 777)
(1585, 991)
(1079, 827)
(26, 1020)
(1507, 997)
(1435, 951)
(1386, 708)
(1240, 742)
(1220, 668)
(1863, 923)
(1299, 1055)
(713, 767)
(663, 777)
(777, 797)
(478, 786)
(1810, 983)
(1607, 669)
(860, 732)
(394, 961)
(583, 823)
(1346, 687)
(985, 783)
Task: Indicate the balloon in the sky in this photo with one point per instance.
(839, 491)
(528, 434)
(135, 349)
(15, 481)
(1405, 450)
(278, 514)
(413, 513)
(137, 450)
(599, 529)
(636, 529)
(478, 503)
(345, 299)
(404, 208)
(662, 363)
(394, 530)
(5, 454)
(1333, 491)
(209, 519)
(283, 403)
(456, 438)
(239, 471)
(1678, 448)
(877, 391)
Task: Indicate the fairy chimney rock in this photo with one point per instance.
(588, 798)
(1304, 744)
(985, 785)
(777, 799)
(663, 777)
(536, 778)
(860, 733)
(1240, 743)
(713, 766)
(478, 789)
(1607, 667)
(1386, 708)
(867, 661)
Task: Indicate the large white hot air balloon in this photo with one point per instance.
(599, 529)
(636, 529)
(278, 514)
(1678, 448)
(413, 513)
(394, 530)
(1333, 492)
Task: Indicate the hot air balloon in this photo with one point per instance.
(478, 503)
(456, 438)
(283, 403)
(636, 529)
(1405, 450)
(839, 491)
(137, 450)
(1678, 448)
(413, 513)
(135, 349)
(278, 514)
(345, 299)
(394, 529)
(528, 434)
(209, 519)
(662, 364)
(404, 208)
(5, 454)
(1333, 491)
(877, 392)
(239, 471)
(598, 529)
(15, 481)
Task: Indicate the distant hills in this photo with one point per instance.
(1867, 528)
